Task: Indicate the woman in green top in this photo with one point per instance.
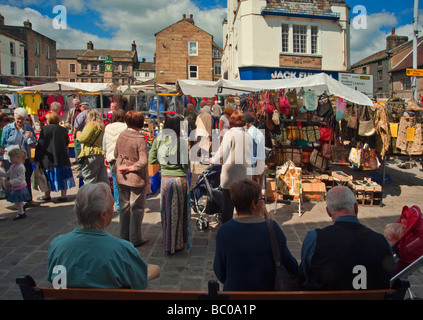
(171, 151)
(91, 156)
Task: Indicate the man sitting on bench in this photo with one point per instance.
(89, 256)
(346, 255)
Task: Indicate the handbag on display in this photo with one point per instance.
(353, 119)
(341, 105)
(318, 161)
(310, 101)
(369, 159)
(355, 157)
(324, 106)
(340, 154)
(283, 280)
(366, 128)
(311, 133)
(294, 155)
(292, 98)
(293, 133)
(325, 133)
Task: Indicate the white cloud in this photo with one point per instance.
(126, 20)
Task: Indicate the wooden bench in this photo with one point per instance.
(30, 291)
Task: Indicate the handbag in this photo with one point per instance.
(325, 133)
(354, 157)
(318, 161)
(293, 133)
(310, 101)
(369, 159)
(283, 280)
(324, 106)
(39, 180)
(292, 99)
(366, 128)
(353, 119)
(311, 133)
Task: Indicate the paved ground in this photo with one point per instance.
(24, 243)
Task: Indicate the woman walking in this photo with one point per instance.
(91, 157)
(171, 151)
(53, 157)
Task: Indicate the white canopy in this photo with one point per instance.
(69, 86)
(320, 83)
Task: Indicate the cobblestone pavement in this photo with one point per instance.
(24, 243)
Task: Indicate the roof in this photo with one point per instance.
(407, 61)
(145, 66)
(188, 21)
(381, 55)
(113, 53)
(69, 53)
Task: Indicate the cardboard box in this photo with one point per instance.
(270, 189)
(153, 169)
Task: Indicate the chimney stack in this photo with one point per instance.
(27, 24)
(90, 45)
(1, 20)
(393, 40)
(134, 46)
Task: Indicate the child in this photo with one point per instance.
(393, 232)
(18, 193)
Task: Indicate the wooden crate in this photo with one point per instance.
(313, 190)
(342, 176)
(367, 193)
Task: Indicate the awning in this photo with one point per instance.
(68, 87)
(320, 83)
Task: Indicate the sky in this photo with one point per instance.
(115, 24)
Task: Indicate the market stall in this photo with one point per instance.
(316, 124)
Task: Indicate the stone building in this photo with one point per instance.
(39, 52)
(279, 39)
(88, 65)
(379, 64)
(184, 51)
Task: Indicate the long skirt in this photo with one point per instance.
(175, 213)
(59, 178)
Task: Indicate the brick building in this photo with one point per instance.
(184, 51)
(39, 52)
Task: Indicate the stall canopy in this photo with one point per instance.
(68, 87)
(320, 83)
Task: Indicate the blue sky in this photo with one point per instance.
(115, 24)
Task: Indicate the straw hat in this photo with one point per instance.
(413, 106)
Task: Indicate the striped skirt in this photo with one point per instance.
(175, 213)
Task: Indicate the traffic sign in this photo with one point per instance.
(414, 72)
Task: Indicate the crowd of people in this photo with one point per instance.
(243, 256)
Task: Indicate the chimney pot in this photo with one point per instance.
(190, 16)
(184, 16)
(393, 31)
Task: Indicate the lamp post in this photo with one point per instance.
(416, 35)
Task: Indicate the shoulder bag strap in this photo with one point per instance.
(273, 242)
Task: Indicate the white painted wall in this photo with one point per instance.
(7, 57)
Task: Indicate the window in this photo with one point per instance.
(125, 68)
(116, 68)
(217, 68)
(84, 66)
(364, 70)
(193, 48)
(37, 69)
(12, 67)
(12, 48)
(94, 67)
(314, 40)
(379, 75)
(48, 51)
(216, 53)
(285, 37)
(72, 68)
(37, 47)
(48, 71)
(192, 72)
(300, 38)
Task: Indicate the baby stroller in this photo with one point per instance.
(205, 196)
(409, 249)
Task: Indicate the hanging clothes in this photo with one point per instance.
(56, 98)
(383, 136)
(411, 145)
(32, 103)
